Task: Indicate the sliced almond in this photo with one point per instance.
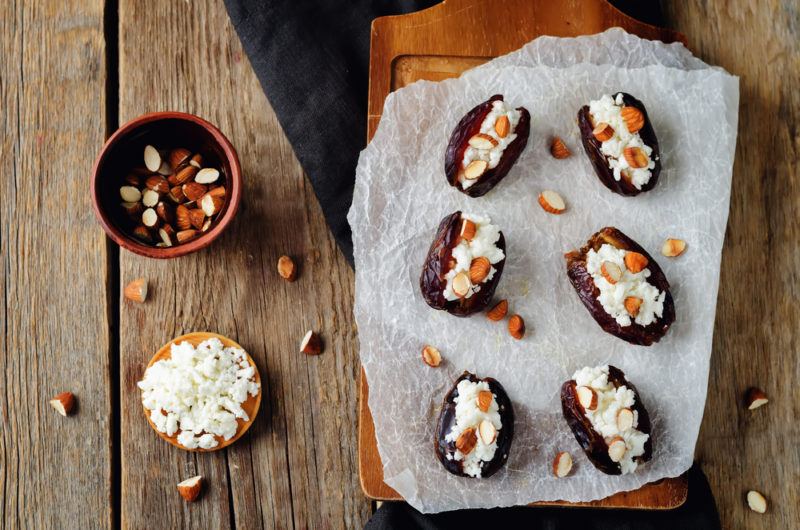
(182, 217)
(498, 312)
(211, 205)
(635, 262)
(150, 198)
(130, 194)
(467, 441)
(186, 235)
(755, 398)
(587, 397)
(559, 149)
(461, 284)
(287, 269)
(311, 343)
(516, 327)
(502, 126)
(194, 191)
(616, 448)
(468, 229)
(634, 119)
(152, 158)
(207, 175)
(178, 156)
(482, 141)
(167, 235)
(624, 419)
(487, 431)
(475, 169)
(479, 269)
(562, 464)
(63, 403)
(673, 247)
(484, 400)
(431, 356)
(611, 272)
(149, 218)
(603, 132)
(756, 501)
(157, 183)
(552, 202)
(136, 290)
(635, 157)
(190, 488)
(632, 305)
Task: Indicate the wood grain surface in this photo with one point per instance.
(297, 467)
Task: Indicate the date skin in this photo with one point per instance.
(592, 442)
(588, 292)
(600, 162)
(432, 281)
(469, 126)
(447, 418)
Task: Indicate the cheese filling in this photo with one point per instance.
(493, 155)
(199, 392)
(484, 243)
(469, 415)
(609, 110)
(612, 296)
(604, 418)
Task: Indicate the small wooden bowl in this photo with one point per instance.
(251, 405)
(123, 151)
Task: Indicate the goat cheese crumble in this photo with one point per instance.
(493, 155)
(469, 415)
(604, 418)
(609, 110)
(612, 296)
(484, 243)
(198, 392)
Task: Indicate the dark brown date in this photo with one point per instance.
(592, 442)
(432, 281)
(600, 162)
(447, 418)
(588, 292)
(469, 126)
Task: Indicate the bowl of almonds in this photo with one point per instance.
(166, 184)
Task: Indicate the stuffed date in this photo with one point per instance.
(485, 145)
(475, 427)
(621, 144)
(464, 264)
(622, 286)
(608, 419)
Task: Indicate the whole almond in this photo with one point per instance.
(498, 312)
(516, 327)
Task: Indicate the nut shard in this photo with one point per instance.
(470, 126)
(592, 442)
(432, 281)
(447, 418)
(592, 146)
(587, 291)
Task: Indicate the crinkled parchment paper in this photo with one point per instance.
(401, 194)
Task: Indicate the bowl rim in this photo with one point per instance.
(128, 242)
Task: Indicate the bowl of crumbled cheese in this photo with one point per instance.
(201, 392)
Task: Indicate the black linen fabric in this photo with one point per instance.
(312, 60)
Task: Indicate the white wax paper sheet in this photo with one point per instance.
(401, 194)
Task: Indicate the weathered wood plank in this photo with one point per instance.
(755, 340)
(297, 465)
(55, 472)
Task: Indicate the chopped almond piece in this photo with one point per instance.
(431, 356)
(482, 141)
(624, 419)
(559, 149)
(634, 119)
(552, 202)
(756, 501)
(488, 432)
(635, 157)
(461, 284)
(484, 400)
(562, 464)
(475, 169)
(468, 229)
(516, 327)
(635, 262)
(673, 247)
(190, 488)
(587, 397)
(632, 305)
(611, 272)
(603, 131)
(498, 312)
(467, 441)
(502, 126)
(479, 269)
(136, 290)
(616, 449)
(755, 398)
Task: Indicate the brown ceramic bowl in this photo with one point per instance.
(123, 151)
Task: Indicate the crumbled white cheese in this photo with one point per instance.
(608, 110)
(612, 296)
(469, 415)
(198, 392)
(483, 244)
(604, 418)
(493, 155)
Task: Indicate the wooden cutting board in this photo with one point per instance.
(442, 42)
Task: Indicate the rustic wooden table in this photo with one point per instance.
(72, 70)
